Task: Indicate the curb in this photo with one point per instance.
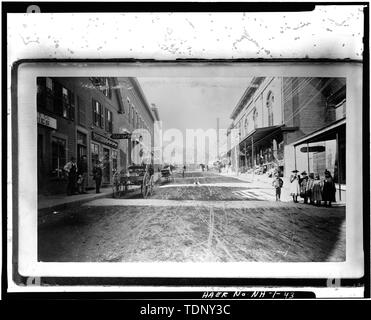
(63, 206)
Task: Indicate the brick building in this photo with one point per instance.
(77, 116)
(287, 123)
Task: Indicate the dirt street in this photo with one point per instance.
(202, 217)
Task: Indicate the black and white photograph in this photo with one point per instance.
(191, 169)
(187, 150)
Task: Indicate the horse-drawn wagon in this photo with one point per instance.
(136, 175)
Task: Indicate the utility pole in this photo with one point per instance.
(217, 138)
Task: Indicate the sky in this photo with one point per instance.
(193, 103)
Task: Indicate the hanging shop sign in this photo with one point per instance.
(103, 139)
(125, 135)
(313, 149)
(46, 120)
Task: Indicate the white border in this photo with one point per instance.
(28, 265)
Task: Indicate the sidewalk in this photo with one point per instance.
(48, 204)
(265, 181)
(262, 181)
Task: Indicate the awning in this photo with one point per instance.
(326, 133)
(261, 135)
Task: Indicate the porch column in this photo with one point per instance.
(338, 156)
(308, 156)
(295, 156)
(245, 155)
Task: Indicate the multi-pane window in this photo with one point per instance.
(68, 108)
(63, 101)
(109, 125)
(56, 98)
(97, 114)
(45, 94)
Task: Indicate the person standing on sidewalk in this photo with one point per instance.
(295, 185)
(309, 190)
(303, 186)
(317, 190)
(97, 176)
(83, 174)
(329, 190)
(278, 184)
(71, 169)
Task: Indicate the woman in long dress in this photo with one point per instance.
(309, 190)
(295, 185)
(317, 190)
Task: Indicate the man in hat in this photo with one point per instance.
(97, 176)
(71, 170)
(329, 189)
(303, 186)
(277, 184)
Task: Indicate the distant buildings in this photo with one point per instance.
(287, 123)
(77, 116)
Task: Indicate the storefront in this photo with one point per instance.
(262, 150)
(105, 150)
(323, 150)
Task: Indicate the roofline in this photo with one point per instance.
(155, 113)
(137, 86)
(119, 96)
(330, 126)
(250, 90)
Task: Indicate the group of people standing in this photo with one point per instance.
(77, 175)
(313, 189)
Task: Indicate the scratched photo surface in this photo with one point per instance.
(191, 169)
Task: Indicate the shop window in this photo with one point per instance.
(98, 114)
(114, 160)
(109, 121)
(58, 156)
(94, 148)
(81, 112)
(270, 103)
